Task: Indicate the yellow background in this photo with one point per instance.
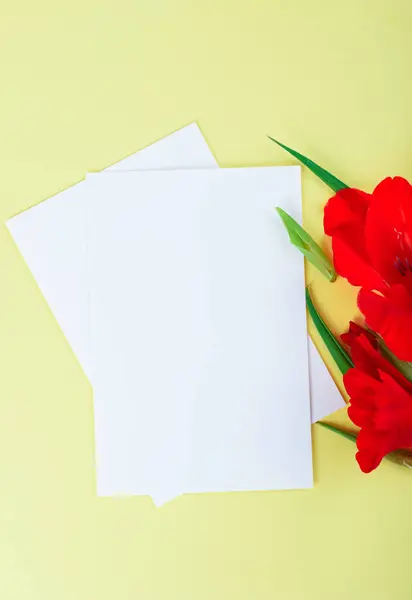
(87, 82)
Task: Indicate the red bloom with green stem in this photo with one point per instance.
(372, 248)
(380, 400)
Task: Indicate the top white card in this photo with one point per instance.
(198, 332)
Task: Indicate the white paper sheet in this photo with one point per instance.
(325, 397)
(51, 235)
(198, 332)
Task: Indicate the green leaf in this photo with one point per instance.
(346, 434)
(339, 355)
(307, 245)
(403, 367)
(333, 182)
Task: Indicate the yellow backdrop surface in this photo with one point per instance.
(87, 82)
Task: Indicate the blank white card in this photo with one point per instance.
(198, 332)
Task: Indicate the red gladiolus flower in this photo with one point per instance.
(380, 401)
(372, 248)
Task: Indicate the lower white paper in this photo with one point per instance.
(325, 397)
(198, 332)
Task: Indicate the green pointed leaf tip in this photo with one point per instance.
(307, 246)
(404, 367)
(333, 182)
(346, 434)
(338, 353)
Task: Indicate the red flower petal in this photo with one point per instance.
(371, 449)
(346, 209)
(388, 230)
(391, 317)
(349, 264)
(394, 411)
(344, 220)
(369, 360)
(365, 357)
(353, 334)
(383, 410)
(360, 384)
